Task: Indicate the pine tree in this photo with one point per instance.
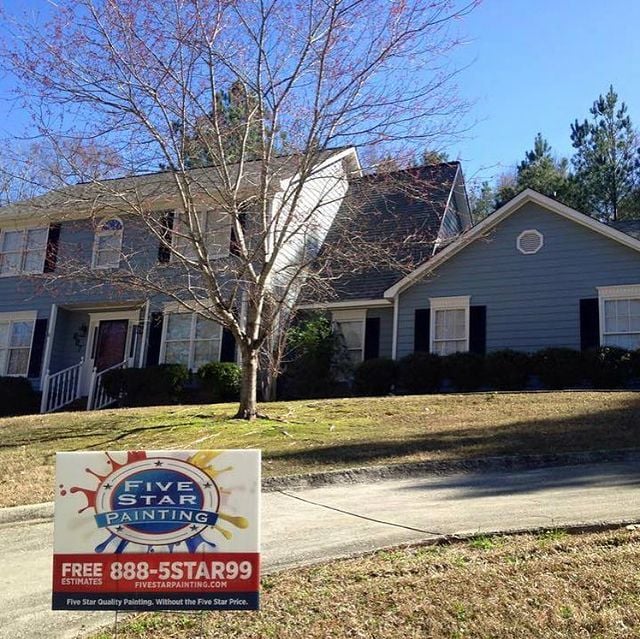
(539, 171)
(607, 158)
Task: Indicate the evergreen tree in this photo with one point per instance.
(607, 158)
(232, 124)
(540, 171)
(482, 201)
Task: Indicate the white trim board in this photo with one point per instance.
(526, 197)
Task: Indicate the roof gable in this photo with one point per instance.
(493, 220)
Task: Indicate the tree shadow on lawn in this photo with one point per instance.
(605, 429)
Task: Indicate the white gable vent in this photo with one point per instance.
(530, 241)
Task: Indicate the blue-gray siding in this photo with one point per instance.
(532, 300)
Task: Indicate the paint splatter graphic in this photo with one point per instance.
(201, 477)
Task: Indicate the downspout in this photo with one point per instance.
(394, 337)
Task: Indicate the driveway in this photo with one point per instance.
(323, 523)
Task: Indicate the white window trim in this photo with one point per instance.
(25, 229)
(100, 233)
(20, 316)
(353, 315)
(535, 232)
(609, 293)
(459, 302)
(177, 308)
(178, 236)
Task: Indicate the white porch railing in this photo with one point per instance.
(61, 388)
(98, 396)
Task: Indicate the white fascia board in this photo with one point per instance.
(329, 306)
(526, 197)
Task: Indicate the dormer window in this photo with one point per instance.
(107, 245)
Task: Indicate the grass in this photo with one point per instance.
(309, 436)
(521, 587)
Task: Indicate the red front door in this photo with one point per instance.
(111, 343)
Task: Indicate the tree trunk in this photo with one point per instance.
(248, 408)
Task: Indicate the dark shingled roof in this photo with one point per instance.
(386, 226)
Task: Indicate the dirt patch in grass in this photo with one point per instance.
(529, 587)
(311, 436)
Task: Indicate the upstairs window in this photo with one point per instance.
(23, 251)
(16, 336)
(215, 230)
(107, 245)
(449, 325)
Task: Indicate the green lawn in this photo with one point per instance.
(308, 436)
(548, 586)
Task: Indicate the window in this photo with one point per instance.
(191, 340)
(350, 324)
(216, 234)
(530, 242)
(620, 316)
(16, 335)
(107, 245)
(449, 325)
(23, 251)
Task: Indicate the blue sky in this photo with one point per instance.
(538, 65)
(535, 65)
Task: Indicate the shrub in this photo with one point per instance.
(375, 376)
(420, 373)
(155, 385)
(465, 371)
(558, 367)
(311, 350)
(17, 397)
(221, 381)
(608, 366)
(507, 369)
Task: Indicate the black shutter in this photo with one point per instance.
(421, 330)
(154, 339)
(589, 323)
(166, 225)
(52, 248)
(372, 338)
(478, 329)
(234, 246)
(37, 348)
(228, 347)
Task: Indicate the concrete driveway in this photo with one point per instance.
(322, 523)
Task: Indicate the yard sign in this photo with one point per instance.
(157, 530)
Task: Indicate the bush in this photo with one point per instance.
(420, 373)
(608, 367)
(17, 397)
(507, 369)
(465, 371)
(311, 349)
(375, 376)
(152, 386)
(221, 381)
(558, 367)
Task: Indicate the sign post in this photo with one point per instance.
(157, 530)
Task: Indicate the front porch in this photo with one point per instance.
(84, 342)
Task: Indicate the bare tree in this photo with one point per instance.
(137, 78)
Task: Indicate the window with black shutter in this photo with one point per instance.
(234, 245)
(154, 339)
(228, 346)
(478, 329)
(51, 256)
(37, 348)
